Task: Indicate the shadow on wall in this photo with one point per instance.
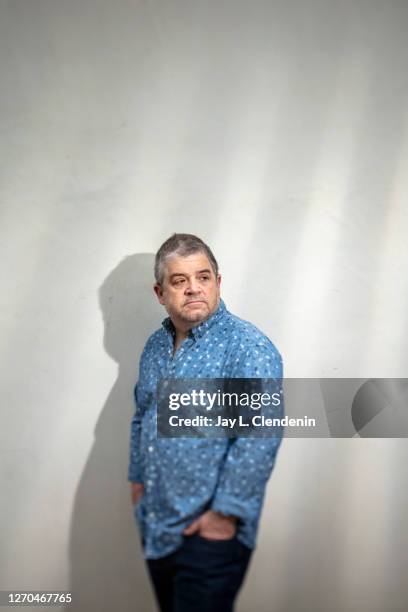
(107, 566)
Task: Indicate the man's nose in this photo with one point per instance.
(193, 286)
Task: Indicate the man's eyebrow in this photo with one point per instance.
(206, 270)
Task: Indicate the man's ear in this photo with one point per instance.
(159, 292)
(218, 280)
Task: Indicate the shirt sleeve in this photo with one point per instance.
(249, 461)
(135, 471)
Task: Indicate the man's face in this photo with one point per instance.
(190, 291)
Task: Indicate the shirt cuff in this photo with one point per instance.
(134, 474)
(230, 506)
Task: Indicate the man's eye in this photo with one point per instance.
(179, 281)
(204, 278)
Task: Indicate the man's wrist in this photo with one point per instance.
(225, 516)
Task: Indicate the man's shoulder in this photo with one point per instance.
(248, 336)
(154, 341)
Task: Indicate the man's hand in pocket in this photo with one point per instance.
(213, 526)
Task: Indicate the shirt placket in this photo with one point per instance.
(174, 361)
(170, 371)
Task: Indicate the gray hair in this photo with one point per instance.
(183, 245)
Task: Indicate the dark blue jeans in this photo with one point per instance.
(201, 576)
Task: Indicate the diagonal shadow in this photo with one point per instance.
(107, 570)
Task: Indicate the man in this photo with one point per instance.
(197, 501)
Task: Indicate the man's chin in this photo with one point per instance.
(196, 317)
(196, 314)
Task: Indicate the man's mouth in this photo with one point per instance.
(195, 302)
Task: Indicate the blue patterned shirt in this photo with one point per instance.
(184, 477)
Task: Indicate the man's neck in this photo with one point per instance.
(179, 339)
(183, 332)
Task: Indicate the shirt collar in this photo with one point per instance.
(199, 330)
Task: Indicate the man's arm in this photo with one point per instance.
(141, 401)
(134, 471)
(249, 461)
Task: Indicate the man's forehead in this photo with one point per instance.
(178, 264)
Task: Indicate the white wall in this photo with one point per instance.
(275, 130)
